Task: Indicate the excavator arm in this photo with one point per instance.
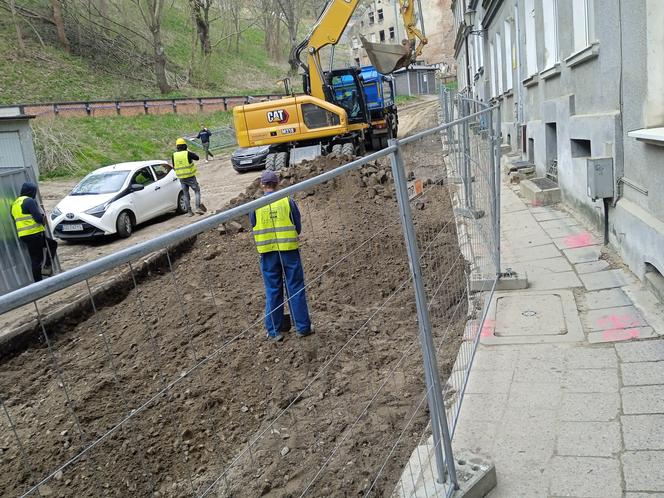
(388, 58)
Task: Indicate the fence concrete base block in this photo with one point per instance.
(476, 475)
(508, 281)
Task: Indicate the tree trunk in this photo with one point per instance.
(201, 11)
(160, 62)
(17, 27)
(60, 25)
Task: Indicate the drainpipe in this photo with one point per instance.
(519, 89)
(620, 143)
(465, 41)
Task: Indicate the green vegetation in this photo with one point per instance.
(72, 147)
(404, 99)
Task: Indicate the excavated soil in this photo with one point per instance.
(337, 400)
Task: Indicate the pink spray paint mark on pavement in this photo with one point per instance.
(620, 335)
(579, 240)
(488, 328)
(614, 322)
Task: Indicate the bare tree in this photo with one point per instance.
(290, 15)
(152, 12)
(201, 12)
(56, 6)
(17, 27)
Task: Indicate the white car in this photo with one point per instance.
(114, 199)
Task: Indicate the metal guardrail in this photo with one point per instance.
(132, 107)
(447, 303)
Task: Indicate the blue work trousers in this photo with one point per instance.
(274, 265)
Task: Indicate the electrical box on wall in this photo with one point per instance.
(600, 177)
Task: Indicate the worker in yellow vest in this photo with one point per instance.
(185, 170)
(30, 221)
(276, 228)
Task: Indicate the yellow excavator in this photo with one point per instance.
(333, 115)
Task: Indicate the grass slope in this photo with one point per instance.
(74, 146)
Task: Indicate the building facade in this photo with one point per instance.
(578, 79)
(380, 22)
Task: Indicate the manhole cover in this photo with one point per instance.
(534, 315)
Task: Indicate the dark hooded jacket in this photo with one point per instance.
(30, 205)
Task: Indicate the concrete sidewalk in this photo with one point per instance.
(567, 391)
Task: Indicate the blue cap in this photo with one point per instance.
(269, 176)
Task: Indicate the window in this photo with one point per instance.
(143, 177)
(381, 35)
(550, 14)
(499, 63)
(372, 37)
(509, 60)
(356, 43)
(161, 170)
(580, 20)
(380, 15)
(371, 17)
(581, 148)
(391, 33)
(531, 37)
(317, 117)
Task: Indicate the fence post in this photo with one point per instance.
(467, 169)
(225, 103)
(145, 106)
(117, 107)
(200, 104)
(496, 143)
(175, 106)
(88, 111)
(432, 379)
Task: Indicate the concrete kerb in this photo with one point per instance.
(115, 289)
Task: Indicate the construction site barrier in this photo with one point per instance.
(100, 108)
(149, 392)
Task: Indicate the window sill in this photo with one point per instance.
(531, 81)
(650, 136)
(551, 72)
(509, 93)
(589, 53)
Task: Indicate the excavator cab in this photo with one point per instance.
(343, 87)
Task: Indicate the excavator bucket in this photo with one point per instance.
(387, 58)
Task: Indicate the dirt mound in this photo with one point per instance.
(208, 311)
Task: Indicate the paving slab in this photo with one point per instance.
(644, 495)
(574, 241)
(587, 358)
(496, 381)
(583, 254)
(484, 407)
(643, 432)
(641, 351)
(532, 396)
(521, 255)
(553, 281)
(588, 439)
(565, 222)
(591, 267)
(545, 266)
(603, 380)
(584, 477)
(558, 232)
(621, 335)
(644, 470)
(641, 374)
(621, 317)
(642, 399)
(551, 214)
(495, 358)
(604, 279)
(589, 406)
(609, 298)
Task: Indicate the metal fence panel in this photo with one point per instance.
(164, 384)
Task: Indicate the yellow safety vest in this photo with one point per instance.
(183, 168)
(25, 223)
(274, 230)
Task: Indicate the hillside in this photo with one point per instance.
(100, 67)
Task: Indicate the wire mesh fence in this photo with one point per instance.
(167, 386)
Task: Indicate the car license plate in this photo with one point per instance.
(73, 227)
(246, 161)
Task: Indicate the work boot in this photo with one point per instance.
(190, 214)
(305, 333)
(47, 271)
(275, 338)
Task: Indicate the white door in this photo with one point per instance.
(167, 187)
(145, 204)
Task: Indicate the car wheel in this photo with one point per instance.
(124, 224)
(181, 208)
(348, 149)
(336, 149)
(280, 160)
